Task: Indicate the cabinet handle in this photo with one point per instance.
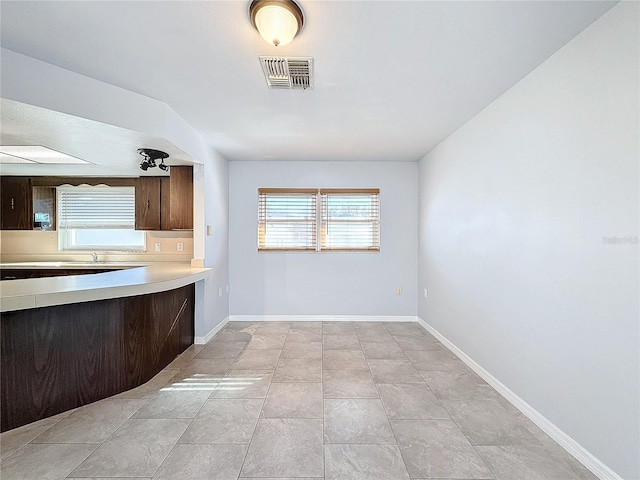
(148, 204)
(11, 203)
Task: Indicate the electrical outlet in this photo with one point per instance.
(227, 288)
(426, 293)
(399, 291)
(158, 247)
(208, 230)
(180, 246)
(220, 292)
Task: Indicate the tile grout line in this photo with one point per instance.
(324, 461)
(324, 399)
(450, 418)
(404, 462)
(156, 392)
(264, 400)
(74, 410)
(147, 400)
(199, 410)
(30, 442)
(191, 420)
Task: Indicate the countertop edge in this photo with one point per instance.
(54, 291)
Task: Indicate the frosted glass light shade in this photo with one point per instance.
(277, 21)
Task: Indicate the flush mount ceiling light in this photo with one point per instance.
(35, 154)
(10, 159)
(277, 21)
(149, 157)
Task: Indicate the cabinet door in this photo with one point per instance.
(16, 207)
(165, 203)
(181, 201)
(148, 203)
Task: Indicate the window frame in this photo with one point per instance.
(67, 234)
(263, 219)
(320, 221)
(374, 220)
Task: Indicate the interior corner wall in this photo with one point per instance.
(325, 283)
(529, 219)
(216, 235)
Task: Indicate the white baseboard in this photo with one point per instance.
(302, 318)
(211, 333)
(323, 318)
(580, 453)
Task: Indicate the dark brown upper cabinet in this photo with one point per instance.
(16, 209)
(148, 203)
(165, 206)
(181, 198)
(165, 203)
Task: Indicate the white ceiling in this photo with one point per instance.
(392, 78)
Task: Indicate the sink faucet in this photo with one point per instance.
(95, 257)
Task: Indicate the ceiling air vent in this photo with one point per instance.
(288, 73)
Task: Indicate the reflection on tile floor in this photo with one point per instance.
(297, 400)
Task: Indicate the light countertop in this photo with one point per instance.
(70, 265)
(133, 279)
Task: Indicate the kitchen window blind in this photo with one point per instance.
(350, 219)
(98, 218)
(287, 219)
(96, 207)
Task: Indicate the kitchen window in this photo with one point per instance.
(318, 219)
(98, 218)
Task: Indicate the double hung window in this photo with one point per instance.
(318, 219)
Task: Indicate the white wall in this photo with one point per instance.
(216, 215)
(313, 283)
(514, 210)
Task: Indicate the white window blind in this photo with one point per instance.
(350, 219)
(98, 218)
(287, 219)
(346, 220)
(96, 207)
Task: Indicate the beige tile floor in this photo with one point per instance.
(379, 401)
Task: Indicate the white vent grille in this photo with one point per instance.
(288, 73)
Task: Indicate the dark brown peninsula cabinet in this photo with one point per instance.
(56, 358)
(16, 210)
(165, 203)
